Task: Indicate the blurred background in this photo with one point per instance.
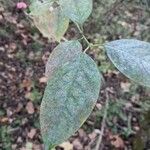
(23, 55)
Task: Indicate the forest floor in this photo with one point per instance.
(23, 55)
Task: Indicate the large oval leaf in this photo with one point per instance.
(63, 53)
(37, 7)
(52, 24)
(68, 100)
(77, 10)
(131, 57)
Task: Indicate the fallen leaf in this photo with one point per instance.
(77, 144)
(82, 133)
(30, 108)
(14, 146)
(38, 147)
(28, 95)
(1, 17)
(125, 86)
(19, 107)
(92, 135)
(19, 139)
(32, 133)
(66, 146)
(43, 80)
(27, 84)
(4, 120)
(117, 141)
(23, 148)
(13, 46)
(99, 106)
(135, 98)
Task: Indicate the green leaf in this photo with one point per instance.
(132, 58)
(62, 54)
(52, 24)
(77, 10)
(37, 7)
(68, 100)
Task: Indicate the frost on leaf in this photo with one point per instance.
(77, 10)
(62, 54)
(69, 98)
(132, 58)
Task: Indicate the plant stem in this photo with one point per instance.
(97, 45)
(88, 43)
(103, 122)
(64, 39)
(86, 49)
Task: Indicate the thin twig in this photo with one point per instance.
(103, 122)
(88, 43)
(86, 49)
(64, 39)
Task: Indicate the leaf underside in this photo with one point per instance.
(69, 98)
(132, 58)
(77, 10)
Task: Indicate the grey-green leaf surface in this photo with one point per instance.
(68, 100)
(77, 10)
(37, 7)
(132, 58)
(63, 53)
(51, 23)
